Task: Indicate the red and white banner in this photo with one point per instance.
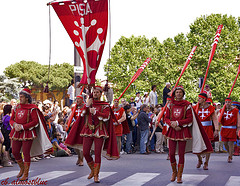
(86, 23)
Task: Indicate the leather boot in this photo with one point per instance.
(91, 166)
(26, 171)
(179, 174)
(205, 166)
(199, 164)
(96, 172)
(174, 171)
(21, 165)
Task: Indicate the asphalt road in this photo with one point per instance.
(130, 169)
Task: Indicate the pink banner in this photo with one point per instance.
(86, 23)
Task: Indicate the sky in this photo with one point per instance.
(24, 33)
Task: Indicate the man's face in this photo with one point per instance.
(79, 101)
(132, 99)
(97, 94)
(116, 102)
(201, 100)
(123, 101)
(23, 99)
(218, 106)
(228, 104)
(179, 94)
(168, 85)
(13, 102)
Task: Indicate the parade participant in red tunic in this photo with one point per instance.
(185, 131)
(230, 127)
(207, 117)
(78, 110)
(28, 133)
(95, 125)
(120, 115)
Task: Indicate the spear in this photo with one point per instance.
(224, 106)
(160, 115)
(214, 46)
(135, 76)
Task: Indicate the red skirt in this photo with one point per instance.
(118, 130)
(23, 134)
(228, 134)
(182, 135)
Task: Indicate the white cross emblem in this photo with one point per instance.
(78, 112)
(21, 114)
(116, 113)
(227, 114)
(203, 112)
(177, 113)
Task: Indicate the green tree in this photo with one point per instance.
(224, 67)
(169, 57)
(30, 73)
(9, 88)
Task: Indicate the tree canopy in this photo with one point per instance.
(169, 57)
(30, 73)
(9, 88)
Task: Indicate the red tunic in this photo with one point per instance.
(229, 125)
(78, 111)
(95, 124)
(179, 111)
(118, 112)
(206, 120)
(26, 116)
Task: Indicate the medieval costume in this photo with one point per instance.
(120, 115)
(77, 110)
(236, 104)
(185, 131)
(28, 133)
(94, 126)
(230, 123)
(208, 117)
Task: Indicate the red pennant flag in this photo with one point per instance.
(214, 46)
(86, 23)
(136, 75)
